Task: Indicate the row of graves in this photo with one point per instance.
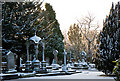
(35, 67)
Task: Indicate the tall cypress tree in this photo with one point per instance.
(55, 42)
(109, 41)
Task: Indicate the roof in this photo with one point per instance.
(35, 38)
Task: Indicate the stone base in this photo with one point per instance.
(8, 76)
(43, 71)
(64, 68)
(12, 71)
(27, 69)
(43, 64)
(36, 66)
(70, 62)
(9, 71)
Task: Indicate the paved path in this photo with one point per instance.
(83, 75)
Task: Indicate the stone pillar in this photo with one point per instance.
(64, 67)
(70, 58)
(43, 45)
(27, 69)
(43, 64)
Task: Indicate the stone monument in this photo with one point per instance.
(83, 57)
(8, 62)
(64, 68)
(55, 52)
(11, 62)
(55, 65)
(35, 40)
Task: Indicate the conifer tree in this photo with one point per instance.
(55, 42)
(20, 21)
(109, 43)
(75, 38)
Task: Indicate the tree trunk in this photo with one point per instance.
(89, 52)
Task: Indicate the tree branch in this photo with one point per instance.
(82, 31)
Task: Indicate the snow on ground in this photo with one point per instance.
(83, 75)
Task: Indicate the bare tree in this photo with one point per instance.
(89, 31)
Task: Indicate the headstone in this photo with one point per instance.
(47, 60)
(20, 62)
(10, 62)
(54, 64)
(55, 52)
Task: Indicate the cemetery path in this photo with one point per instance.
(83, 75)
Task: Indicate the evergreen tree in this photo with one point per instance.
(75, 37)
(20, 19)
(55, 42)
(109, 41)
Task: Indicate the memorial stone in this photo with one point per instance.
(11, 62)
(55, 52)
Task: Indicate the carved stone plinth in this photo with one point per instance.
(43, 64)
(27, 69)
(36, 65)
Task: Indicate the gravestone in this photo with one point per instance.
(21, 62)
(47, 60)
(55, 52)
(10, 61)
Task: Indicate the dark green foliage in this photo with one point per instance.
(55, 42)
(109, 41)
(20, 21)
(116, 69)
